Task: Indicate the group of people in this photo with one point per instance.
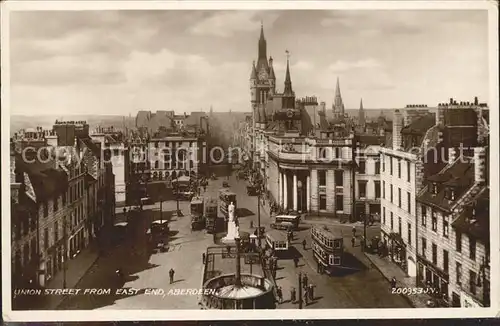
(308, 292)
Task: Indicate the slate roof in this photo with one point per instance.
(459, 175)
(420, 125)
(477, 226)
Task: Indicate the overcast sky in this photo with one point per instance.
(119, 62)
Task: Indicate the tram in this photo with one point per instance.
(328, 248)
(211, 219)
(197, 210)
(278, 241)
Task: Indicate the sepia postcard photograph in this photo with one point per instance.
(183, 160)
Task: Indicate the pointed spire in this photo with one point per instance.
(262, 59)
(338, 104)
(271, 69)
(254, 71)
(288, 81)
(361, 104)
(361, 117)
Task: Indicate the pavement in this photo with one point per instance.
(390, 270)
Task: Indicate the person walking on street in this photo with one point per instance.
(204, 188)
(304, 280)
(171, 273)
(293, 295)
(393, 282)
(296, 261)
(311, 292)
(353, 241)
(203, 257)
(304, 244)
(279, 294)
(353, 231)
(306, 295)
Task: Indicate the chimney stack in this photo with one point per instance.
(476, 101)
(397, 125)
(479, 164)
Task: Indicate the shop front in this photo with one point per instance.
(429, 276)
(397, 251)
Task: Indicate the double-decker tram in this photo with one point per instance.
(197, 211)
(328, 248)
(226, 197)
(211, 215)
(278, 241)
(286, 222)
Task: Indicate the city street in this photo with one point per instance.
(360, 287)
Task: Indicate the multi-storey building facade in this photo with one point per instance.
(61, 198)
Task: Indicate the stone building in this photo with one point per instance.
(62, 198)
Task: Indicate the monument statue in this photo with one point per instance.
(232, 230)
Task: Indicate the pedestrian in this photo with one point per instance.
(204, 188)
(293, 295)
(171, 273)
(214, 237)
(306, 295)
(311, 292)
(304, 244)
(354, 231)
(279, 294)
(393, 282)
(353, 241)
(203, 257)
(251, 224)
(304, 280)
(296, 261)
(291, 235)
(228, 248)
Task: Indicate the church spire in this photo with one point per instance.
(262, 59)
(254, 72)
(361, 117)
(338, 105)
(288, 81)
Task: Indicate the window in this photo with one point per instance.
(377, 167)
(458, 269)
(424, 246)
(377, 189)
(472, 281)
(408, 201)
(382, 158)
(322, 202)
(434, 254)
(56, 231)
(362, 167)
(458, 241)
(400, 200)
(399, 225)
(472, 249)
(409, 234)
(156, 144)
(323, 152)
(339, 178)
(45, 209)
(390, 161)
(399, 169)
(392, 221)
(434, 188)
(383, 189)
(445, 260)
(339, 202)
(445, 226)
(338, 152)
(46, 238)
(383, 215)
(434, 220)
(392, 197)
(157, 164)
(424, 215)
(56, 203)
(322, 178)
(408, 171)
(362, 189)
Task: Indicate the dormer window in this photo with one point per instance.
(434, 188)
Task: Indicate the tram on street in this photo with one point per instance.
(328, 248)
(285, 222)
(278, 241)
(226, 197)
(211, 220)
(197, 213)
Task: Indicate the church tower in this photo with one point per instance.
(338, 104)
(262, 82)
(361, 115)
(288, 93)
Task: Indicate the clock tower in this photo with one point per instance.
(262, 81)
